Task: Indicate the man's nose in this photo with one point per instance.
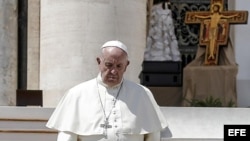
(114, 70)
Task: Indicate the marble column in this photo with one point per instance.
(33, 45)
(72, 33)
(8, 52)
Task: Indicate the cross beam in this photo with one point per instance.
(214, 29)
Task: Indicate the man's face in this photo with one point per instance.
(216, 8)
(112, 65)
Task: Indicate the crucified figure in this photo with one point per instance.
(215, 18)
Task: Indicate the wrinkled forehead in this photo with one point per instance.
(114, 59)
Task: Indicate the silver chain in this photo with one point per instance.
(105, 125)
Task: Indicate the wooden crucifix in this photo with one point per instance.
(214, 30)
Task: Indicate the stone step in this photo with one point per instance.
(184, 123)
(25, 124)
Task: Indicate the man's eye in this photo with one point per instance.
(108, 65)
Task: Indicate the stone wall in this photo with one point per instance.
(72, 33)
(8, 52)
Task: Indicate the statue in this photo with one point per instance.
(162, 44)
(162, 65)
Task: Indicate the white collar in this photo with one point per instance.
(99, 80)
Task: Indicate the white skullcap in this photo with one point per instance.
(115, 43)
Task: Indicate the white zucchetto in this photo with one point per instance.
(115, 43)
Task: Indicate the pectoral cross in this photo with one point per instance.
(105, 126)
(214, 29)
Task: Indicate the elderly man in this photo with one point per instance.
(108, 107)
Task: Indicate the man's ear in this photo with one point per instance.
(126, 66)
(98, 60)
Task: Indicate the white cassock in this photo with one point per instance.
(132, 112)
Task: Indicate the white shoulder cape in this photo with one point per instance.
(80, 110)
